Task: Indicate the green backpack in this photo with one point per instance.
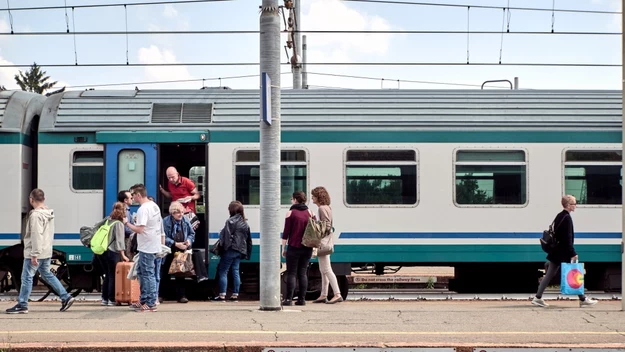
(100, 241)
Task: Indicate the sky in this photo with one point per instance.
(319, 15)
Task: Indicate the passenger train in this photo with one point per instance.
(461, 178)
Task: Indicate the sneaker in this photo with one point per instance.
(183, 300)
(135, 306)
(146, 308)
(588, 302)
(111, 303)
(17, 309)
(105, 302)
(67, 303)
(287, 302)
(233, 299)
(300, 303)
(539, 302)
(219, 299)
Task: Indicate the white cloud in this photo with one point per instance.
(335, 15)
(170, 11)
(4, 26)
(155, 55)
(7, 75)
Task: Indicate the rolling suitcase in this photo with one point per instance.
(126, 291)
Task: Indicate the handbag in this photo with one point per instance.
(327, 245)
(182, 264)
(572, 279)
(216, 248)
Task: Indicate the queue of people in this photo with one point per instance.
(176, 233)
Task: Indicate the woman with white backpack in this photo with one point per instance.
(321, 198)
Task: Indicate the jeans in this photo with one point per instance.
(147, 278)
(29, 271)
(327, 276)
(229, 259)
(108, 261)
(552, 270)
(297, 260)
(158, 263)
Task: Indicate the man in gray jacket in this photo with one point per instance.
(38, 236)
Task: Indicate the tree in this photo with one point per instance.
(468, 192)
(34, 80)
(2, 88)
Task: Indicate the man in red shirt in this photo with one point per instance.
(180, 189)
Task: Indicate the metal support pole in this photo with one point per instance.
(623, 143)
(270, 161)
(516, 83)
(304, 73)
(297, 48)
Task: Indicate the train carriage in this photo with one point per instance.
(467, 179)
(19, 116)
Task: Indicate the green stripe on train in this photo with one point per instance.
(15, 138)
(335, 136)
(423, 253)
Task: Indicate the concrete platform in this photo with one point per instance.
(207, 325)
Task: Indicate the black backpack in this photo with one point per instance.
(549, 241)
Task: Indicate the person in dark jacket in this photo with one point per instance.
(564, 251)
(297, 255)
(236, 243)
(179, 235)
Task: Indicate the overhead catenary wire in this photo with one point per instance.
(283, 73)
(535, 64)
(74, 28)
(237, 32)
(87, 6)
(553, 9)
(10, 15)
(397, 2)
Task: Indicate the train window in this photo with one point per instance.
(381, 177)
(196, 174)
(491, 177)
(130, 168)
(594, 177)
(87, 170)
(293, 173)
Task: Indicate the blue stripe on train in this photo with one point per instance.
(393, 235)
(454, 235)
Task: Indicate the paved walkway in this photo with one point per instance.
(206, 325)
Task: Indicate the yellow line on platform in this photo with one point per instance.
(235, 332)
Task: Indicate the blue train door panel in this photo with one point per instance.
(126, 165)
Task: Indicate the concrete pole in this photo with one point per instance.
(270, 217)
(623, 143)
(297, 48)
(304, 73)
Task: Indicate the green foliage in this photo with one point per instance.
(374, 192)
(34, 80)
(468, 192)
(2, 88)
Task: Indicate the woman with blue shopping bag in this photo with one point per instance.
(562, 254)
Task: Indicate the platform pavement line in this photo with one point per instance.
(236, 332)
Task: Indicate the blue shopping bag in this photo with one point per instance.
(572, 279)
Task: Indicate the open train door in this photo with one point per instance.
(125, 166)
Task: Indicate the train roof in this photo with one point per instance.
(95, 110)
(17, 109)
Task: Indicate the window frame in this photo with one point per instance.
(144, 164)
(364, 163)
(72, 164)
(526, 163)
(252, 163)
(589, 149)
